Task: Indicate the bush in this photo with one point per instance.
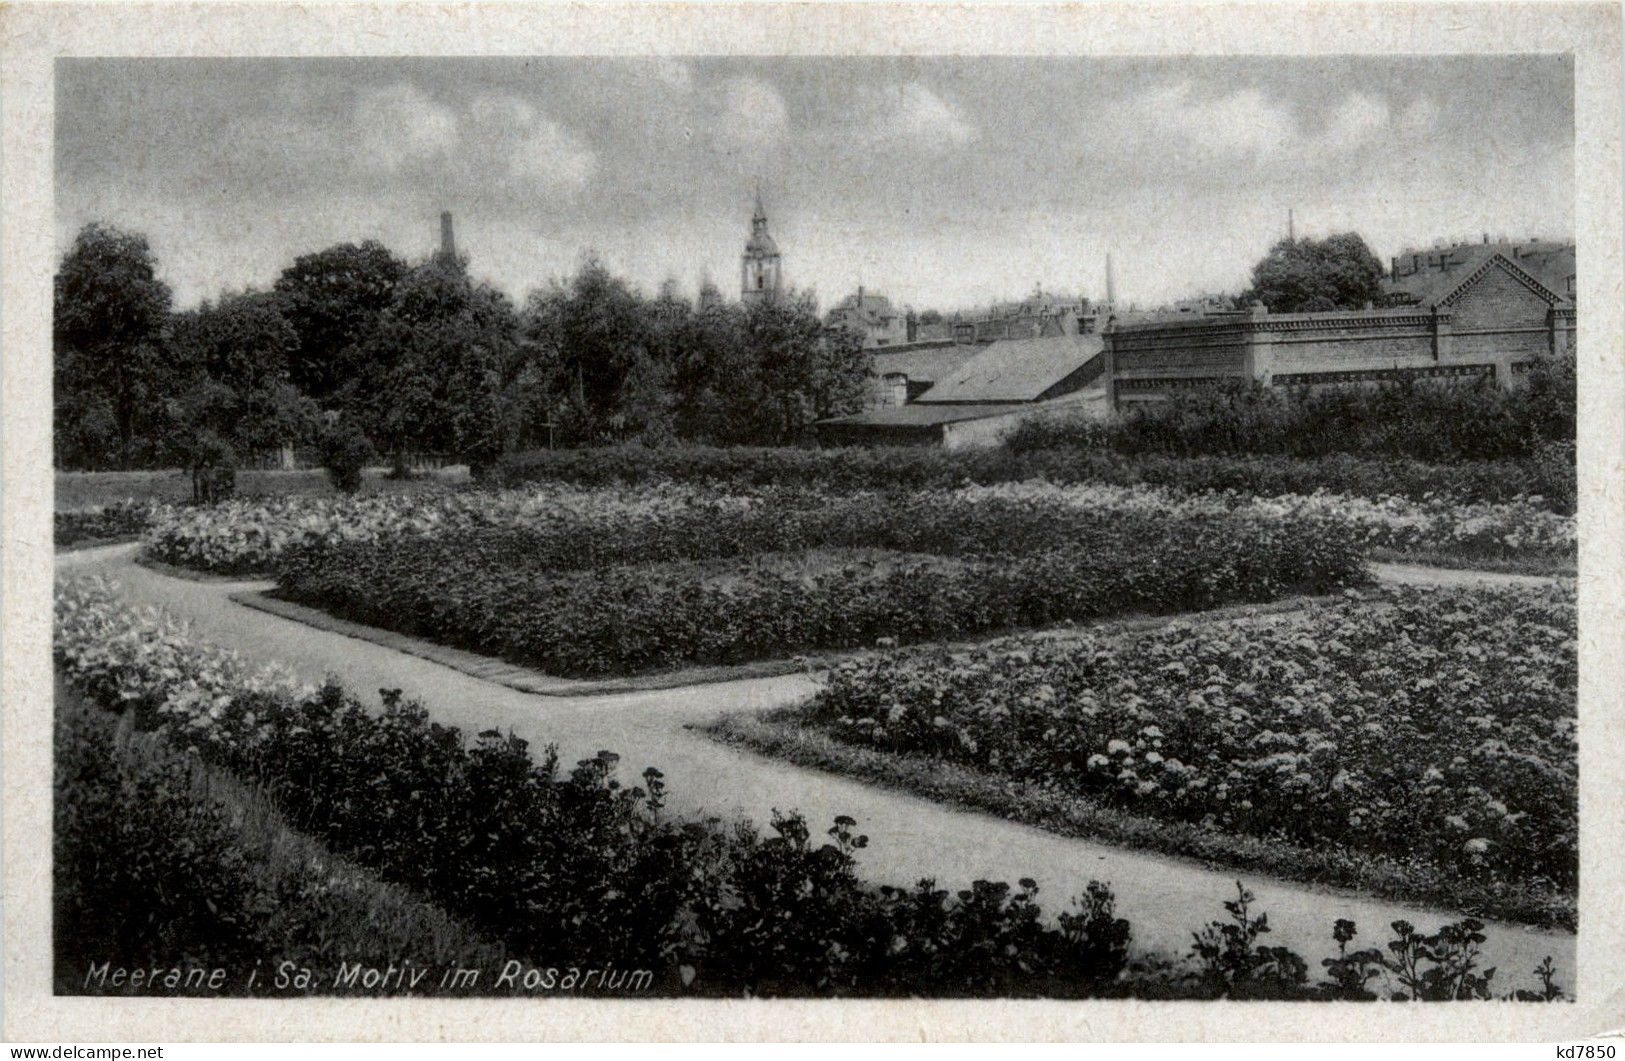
(485, 594)
(166, 884)
(344, 451)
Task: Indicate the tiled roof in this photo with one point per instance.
(1015, 370)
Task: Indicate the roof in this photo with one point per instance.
(1015, 370)
(1435, 286)
(926, 365)
(917, 415)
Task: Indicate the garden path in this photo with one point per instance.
(910, 838)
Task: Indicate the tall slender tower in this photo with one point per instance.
(1111, 283)
(759, 269)
(448, 245)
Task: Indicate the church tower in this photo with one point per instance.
(759, 275)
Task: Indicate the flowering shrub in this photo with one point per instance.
(488, 595)
(1439, 725)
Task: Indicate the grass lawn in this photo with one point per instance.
(76, 490)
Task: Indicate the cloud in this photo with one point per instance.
(752, 114)
(1358, 121)
(550, 156)
(1193, 130)
(511, 138)
(1244, 122)
(674, 73)
(400, 126)
(915, 114)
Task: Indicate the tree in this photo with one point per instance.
(1309, 276)
(435, 370)
(333, 299)
(234, 357)
(107, 337)
(806, 371)
(595, 336)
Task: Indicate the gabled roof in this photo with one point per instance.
(928, 366)
(1439, 288)
(1015, 370)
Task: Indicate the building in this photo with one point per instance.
(1482, 315)
(872, 318)
(1039, 315)
(983, 398)
(901, 376)
(760, 268)
(1552, 262)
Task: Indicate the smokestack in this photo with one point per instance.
(1111, 284)
(1291, 229)
(448, 245)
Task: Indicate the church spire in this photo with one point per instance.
(759, 277)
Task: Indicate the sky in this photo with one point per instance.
(941, 182)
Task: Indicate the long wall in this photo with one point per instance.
(1489, 331)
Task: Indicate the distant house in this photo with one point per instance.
(872, 318)
(983, 398)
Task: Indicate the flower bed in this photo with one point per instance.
(566, 528)
(1494, 531)
(629, 619)
(1422, 724)
(579, 869)
(917, 468)
(249, 536)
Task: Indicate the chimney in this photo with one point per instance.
(448, 245)
(1111, 285)
(1291, 229)
(1486, 239)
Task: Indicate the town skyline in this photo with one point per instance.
(943, 184)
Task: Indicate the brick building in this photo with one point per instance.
(1483, 315)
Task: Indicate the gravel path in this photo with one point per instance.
(910, 838)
